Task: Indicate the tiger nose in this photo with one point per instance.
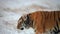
(22, 28)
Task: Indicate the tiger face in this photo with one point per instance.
(41, 22)
(25, 22)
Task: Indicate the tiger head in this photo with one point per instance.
(25, 22)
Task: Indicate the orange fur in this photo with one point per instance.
(44, 20)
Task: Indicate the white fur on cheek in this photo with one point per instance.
(27, 31)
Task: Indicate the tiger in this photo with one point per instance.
(41, 21)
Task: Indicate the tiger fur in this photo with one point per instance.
(41, 21)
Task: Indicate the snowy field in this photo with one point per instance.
(12, 10)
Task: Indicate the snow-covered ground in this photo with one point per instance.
(12, 10)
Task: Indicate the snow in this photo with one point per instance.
(12, 10)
